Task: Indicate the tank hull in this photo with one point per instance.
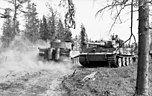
(95, 59)
(104, 60)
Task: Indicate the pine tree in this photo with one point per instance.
(68, 35)
(60, 30)
(52, 25)
(18, 4)
(44, 32)
(83, 37)
(8, 35)
(32, 23)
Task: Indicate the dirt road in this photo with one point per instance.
(33, 82)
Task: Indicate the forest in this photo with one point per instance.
(46, 28)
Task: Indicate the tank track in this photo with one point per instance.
(111, 61)
(119, 61)
(124, 60)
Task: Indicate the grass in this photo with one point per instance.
(108, 82)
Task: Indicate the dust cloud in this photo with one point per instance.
(20, 63)
(23, 56)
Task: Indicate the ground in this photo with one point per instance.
(77, 82)
(32, 82)
(106, 82)
(22, 74)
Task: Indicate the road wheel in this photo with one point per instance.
(123, 61)
(119, 62)
(131, 60)
(127, 61)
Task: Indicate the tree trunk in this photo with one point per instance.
(144, 48)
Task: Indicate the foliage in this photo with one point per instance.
(8, 33)
(11, 25)
(52, 24)
(18, 4)
(67, 35)
(82, 33)
(52, 28)
(44, 32)
(32, 23)
(60, 30)
(83, 37)
(70, 14)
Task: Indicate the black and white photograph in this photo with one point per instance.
(75, 48)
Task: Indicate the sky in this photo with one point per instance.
(96, 27)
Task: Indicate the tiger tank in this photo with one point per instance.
(56, 51)
(105, 54)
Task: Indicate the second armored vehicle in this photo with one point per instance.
(55, 51)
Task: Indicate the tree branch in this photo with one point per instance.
(117, 16)
(122, 4)
(131, 30)
(118, 13)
